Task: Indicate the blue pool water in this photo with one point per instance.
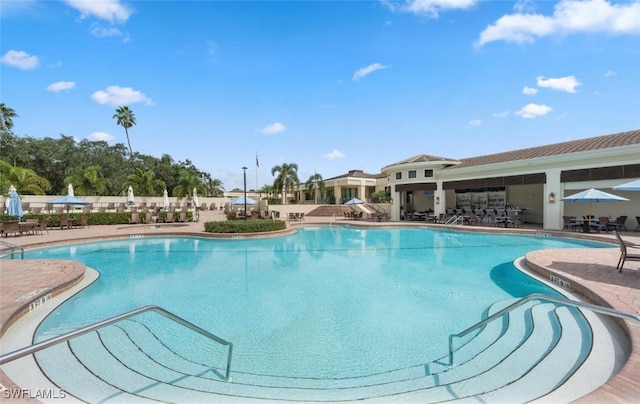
(324, 302)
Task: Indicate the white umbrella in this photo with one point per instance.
(70, 190)
(354, 201)
(196, 203)
(240, 201)
(593, 195)
(130, 199)
(165, 200)
(628, 186)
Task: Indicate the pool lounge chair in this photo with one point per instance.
(624, 254)
(135, 218)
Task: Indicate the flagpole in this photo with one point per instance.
(257, 166)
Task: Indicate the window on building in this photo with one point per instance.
(398, 176)
(428, 173)
(412, 173)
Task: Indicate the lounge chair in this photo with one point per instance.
(65, 223)
(84, 221)
(169, 218)
(148, 218)
(182, 217)
(624, 255)
(42, 226)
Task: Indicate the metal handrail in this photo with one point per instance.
(454, 219)
(13, 248)
(93, 327)
(539, 296)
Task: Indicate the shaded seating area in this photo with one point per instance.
(625, 255)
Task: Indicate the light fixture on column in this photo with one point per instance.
(552, 198)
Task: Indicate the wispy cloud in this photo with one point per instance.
(108, 32)
(530, 111)
(113, 11)
(567, 84)
(365, 71)
(502, 114)
(529, 91)
(429, 8)
(569, 17)
(116, 95)
(475, 122)
(100, 136)
(61, 86)
(335, 154)
(20, 59)
(273, 128)
(610, 73)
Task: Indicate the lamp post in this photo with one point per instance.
(244, 169)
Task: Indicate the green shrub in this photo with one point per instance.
(244, 226)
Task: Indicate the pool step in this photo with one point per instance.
(128, 362)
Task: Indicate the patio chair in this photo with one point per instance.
(182, 217)
(601, 224)
(11, 227)
(169, 218)
(570, 223)
(638, 221)
(65, 223)
(135, 218)
(619, 224)
(624, 255)
(84, 221)
(148, 218)
(42, 226)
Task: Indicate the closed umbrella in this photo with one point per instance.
(70, 190)
(130, 198)
(196, 203)
(14, 208)
(165, 200)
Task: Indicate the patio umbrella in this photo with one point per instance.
(354, 201)
(70, 190)
(165, 200)
(593, 195)
(240, 201)
(196, 203)
(628, 186)
(14, 208)
(130, 199)
(68, 200)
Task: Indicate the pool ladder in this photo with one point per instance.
(455, 219)
(96, 326)
(12, 248)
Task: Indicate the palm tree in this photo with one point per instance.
(315, 183)
(6, 117)
(287, 179)
(186, 182)
(125, 118)
(215, 187)
(88, 181)
(24, 179)
(145, 183)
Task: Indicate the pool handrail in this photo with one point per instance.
(19, 353)
(539, 296)
(12, 248)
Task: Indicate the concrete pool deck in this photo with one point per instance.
(589, 272)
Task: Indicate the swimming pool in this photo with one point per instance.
(322, 304)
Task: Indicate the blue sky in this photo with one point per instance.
(329, 85)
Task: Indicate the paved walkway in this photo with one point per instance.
(589, 272)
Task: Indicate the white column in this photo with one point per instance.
(553, 210)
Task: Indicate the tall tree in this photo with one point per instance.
(286, 180)
(125, 118)
(315, 184)
(214, 186)
(186, 182)
(6, 118)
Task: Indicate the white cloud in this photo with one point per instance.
(430, 8)
(529, 91)
(569, 17)
(502, 114)
(568, 83)
(61, 85)
(100, 136)
(273, 128)
(365, 71)
(533, 110)
(610, 73)
(116, 95)
(475, 122)
(20, 59)
(102, 32)
(109, 10)
(336, 154)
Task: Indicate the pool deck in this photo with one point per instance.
(589, 272)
